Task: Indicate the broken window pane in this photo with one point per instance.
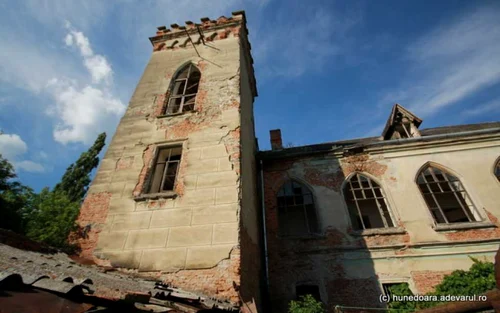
(296, 210)
(445, 196)
(364, 198)
(165, 170)
(183, 91)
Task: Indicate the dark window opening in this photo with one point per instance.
(296, 210)
(304, 290)
(165, 170)
(401, 288)
(183, 91)
(445, 196)
(366, 203)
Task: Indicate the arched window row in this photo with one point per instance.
(444, 194)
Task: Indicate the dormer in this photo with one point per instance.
(401, 124)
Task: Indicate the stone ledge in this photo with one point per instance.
(463, 226)
(177, 114)
(155, 196)
(379, 231)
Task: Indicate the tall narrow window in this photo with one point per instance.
(183, 90)
(445, 196)
(165, 170)
(366, 203)
(296, 210)
(497, 169)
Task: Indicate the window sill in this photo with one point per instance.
(463, 226)
(154, 196)
(379, 231)
(176, 114)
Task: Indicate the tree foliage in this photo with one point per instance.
(306, 304)
(76, 179)
(479, 279)
(53, 218)
(15, 198)
(49, 216)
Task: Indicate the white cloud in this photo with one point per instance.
(12, 147)
(29, 166)
(452, 62)
(489, 107)
(83, 113)
(97, 65)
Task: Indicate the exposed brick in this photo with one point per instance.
(426, 281)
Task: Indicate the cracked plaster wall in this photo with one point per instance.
(347, 267)
(192, 240)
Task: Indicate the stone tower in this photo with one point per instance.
(175, 195)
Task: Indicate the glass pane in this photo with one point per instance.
(438, 217)
(358, 194)
(289, 201)
(156, 178)
(311, 218)
(296, 221)
(174, 105)
(308, 199)
(353, 213)
(170, 176)
(369, 193)
(188, 103)
(178, 87)
(184, 72)
(299, 200)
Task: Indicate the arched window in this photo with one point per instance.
(296, 210)
(366, 203)
(445, 196)
(183, 90)
(497, 169)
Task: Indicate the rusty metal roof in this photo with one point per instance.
(56, 272)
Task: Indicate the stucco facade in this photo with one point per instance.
(192, 232)
(348, 266)
(183, 194)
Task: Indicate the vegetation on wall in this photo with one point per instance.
(306, 304)
(479, 279)
(49, 216)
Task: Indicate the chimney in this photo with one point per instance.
(276, 143)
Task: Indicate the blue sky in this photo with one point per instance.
(326, 70)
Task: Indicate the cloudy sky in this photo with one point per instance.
(326, 70)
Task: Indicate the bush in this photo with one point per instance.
(479, 279)
(306, 304)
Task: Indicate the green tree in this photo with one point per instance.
(306, 304)
(76, 179)
(53, 218)
(15, 198)
(479, 279)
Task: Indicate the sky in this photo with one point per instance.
(325, 70)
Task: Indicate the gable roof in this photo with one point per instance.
(397, 108)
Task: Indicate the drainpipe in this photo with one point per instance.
(263, 207)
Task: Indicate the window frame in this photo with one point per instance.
(309, 233)
(477, 217)
(189, 66)
(150, 174)
(347, 188)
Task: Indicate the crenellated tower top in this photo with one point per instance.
(185, 37)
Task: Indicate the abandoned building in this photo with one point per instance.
(184, 196)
